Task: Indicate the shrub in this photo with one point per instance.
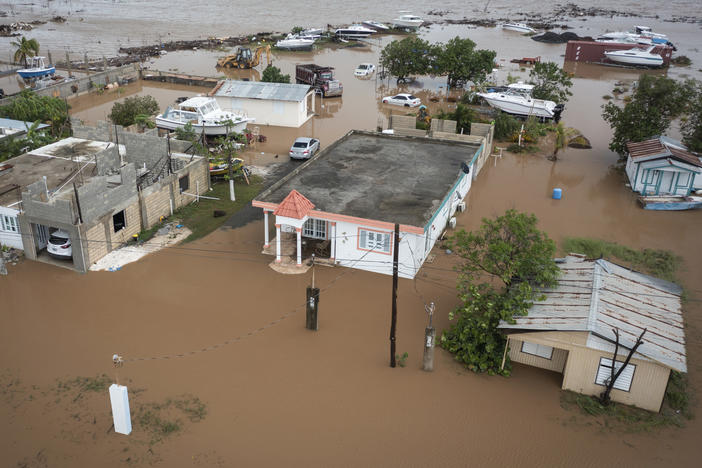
(125, 113)
(505, 126)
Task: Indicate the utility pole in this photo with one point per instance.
(429, 339)
(393, 323)
(312, 304)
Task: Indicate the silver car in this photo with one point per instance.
(304, 148)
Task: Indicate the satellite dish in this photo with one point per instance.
(465, 167)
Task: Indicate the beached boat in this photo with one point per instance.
(36, 68)
(376, 25)
(295, 42)
(635, 56)
(204, 114)
(516, 99)
(355, 31)
(407, 21)
(221, 167)
(518, 27)
(670, 203)
(639, 35)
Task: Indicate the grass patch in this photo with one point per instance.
(515, 148)
(660, 263)
(681, 61)
(99, 383)
(607, 97)
(161, 420)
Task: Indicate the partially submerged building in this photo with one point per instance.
(348, 198)
(279, 104)
(571, 331)
(98, 191)
(662, 166)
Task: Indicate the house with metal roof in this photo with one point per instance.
(662, 166)
(571, 331)
(279, 104)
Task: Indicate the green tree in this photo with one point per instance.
(461, 63)
(32, 139)
(692, 127)
(30, 107)
(186, 133)
(144, 121)
(656, 101)
(410, 56)
(273, 74)
(504, 263)
(463, 115)
(560, 141)
(506, 125)
(25, 48)
(125, 113)
(550, 82)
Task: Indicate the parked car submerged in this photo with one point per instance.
(59, 245)
(304, 148)
(364, 69)
(403, 99)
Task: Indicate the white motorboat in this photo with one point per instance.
(376, 25)
(36, 68)
(519, 102)
(639, 35)
(518, 27)
(355, 31)
(312, 32)
(407, 21)
(635, 56)
(203, 113)
(295, 42)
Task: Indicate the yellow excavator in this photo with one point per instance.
(244, 58)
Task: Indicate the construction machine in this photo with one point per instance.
(244, 58)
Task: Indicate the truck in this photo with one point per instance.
(321, 78)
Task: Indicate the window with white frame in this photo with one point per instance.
(542, 351)
(315, 228)
(9, 223)
(604, 373)
(374, 240)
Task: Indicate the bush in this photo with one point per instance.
(125, 113)
(273, 75)
(505, 126)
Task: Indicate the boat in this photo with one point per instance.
(670, 203)
(355, 31)
(518, 27)
(295, 42)
(635, 56)
(36, 68)
(639, 35)
(376, 25)
(220, 167)
(407, 21)
(517, 100)
(204, 114)
(312, 32)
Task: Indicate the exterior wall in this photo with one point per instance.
(446, 210)
(10, 234)
(132, 218)
(155, 202)
(556, 363)
(268, 112)
(96, 243)
(667, 181)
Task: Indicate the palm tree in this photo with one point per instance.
(560, 142)
(25, 48)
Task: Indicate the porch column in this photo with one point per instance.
(299, 246)
(333, 241)
(265, 227)
(277, 243)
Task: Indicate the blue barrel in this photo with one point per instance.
(557, 194)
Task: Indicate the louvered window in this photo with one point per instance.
(374, 240)
(604, 373)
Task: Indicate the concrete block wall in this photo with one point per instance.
(155, 202)
(446, 126)
(104, 131)
(403, 121)
(108, 161)
(132, 218)
(97, 199)
(95, 240)
(199, 174)
(57, 211)
(410, 132)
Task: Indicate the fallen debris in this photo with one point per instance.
(555, 38)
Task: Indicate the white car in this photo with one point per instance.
(304, 148)
(364, 69)
(59, 245)
(403, 99)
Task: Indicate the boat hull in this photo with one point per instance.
(210, 130)
(307, 45)
(376, 26)
(519, 29)
(36, 73)
(670, 203)
(634, 60)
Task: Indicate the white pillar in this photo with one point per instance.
(333, 240)
(265, 227)
(120, 409)
(299, 246)
(277, 243)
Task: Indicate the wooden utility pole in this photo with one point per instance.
(393, 323)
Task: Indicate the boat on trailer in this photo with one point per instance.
(670, 203)
(355, 31)
(204, 114)
(36, 68)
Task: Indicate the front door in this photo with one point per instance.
(315, 228)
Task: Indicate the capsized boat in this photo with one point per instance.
(204, 114)
(670, 203)
(355, 31)
(295, 42)
(635, 56)
(376, 25)
(36, 67)
(518, 27)
(407, 21)
(519, 102)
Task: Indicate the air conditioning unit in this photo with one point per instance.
(452, 222)
(462, 206)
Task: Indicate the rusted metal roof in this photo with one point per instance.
(656, 148)
(597, 296)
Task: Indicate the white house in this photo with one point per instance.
(662, 166)
(348, 197)
(279, 104)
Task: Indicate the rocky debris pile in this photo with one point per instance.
(58, 19)
(10, 256)
(209, 43)
(555, 38)
(10, 30)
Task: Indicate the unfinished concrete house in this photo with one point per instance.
(109, 195)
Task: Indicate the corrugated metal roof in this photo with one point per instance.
(261, 90)
(18, 124)
(597, 296)
(657, 147)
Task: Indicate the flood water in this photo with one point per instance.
(290, 397)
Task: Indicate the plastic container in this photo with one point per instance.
(557, 194)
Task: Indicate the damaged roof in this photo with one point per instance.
(658, 148)
(597, 296)
(262, 90)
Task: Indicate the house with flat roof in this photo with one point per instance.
(571, 331)
(279, 104)
(663, 166)
(343, 203)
